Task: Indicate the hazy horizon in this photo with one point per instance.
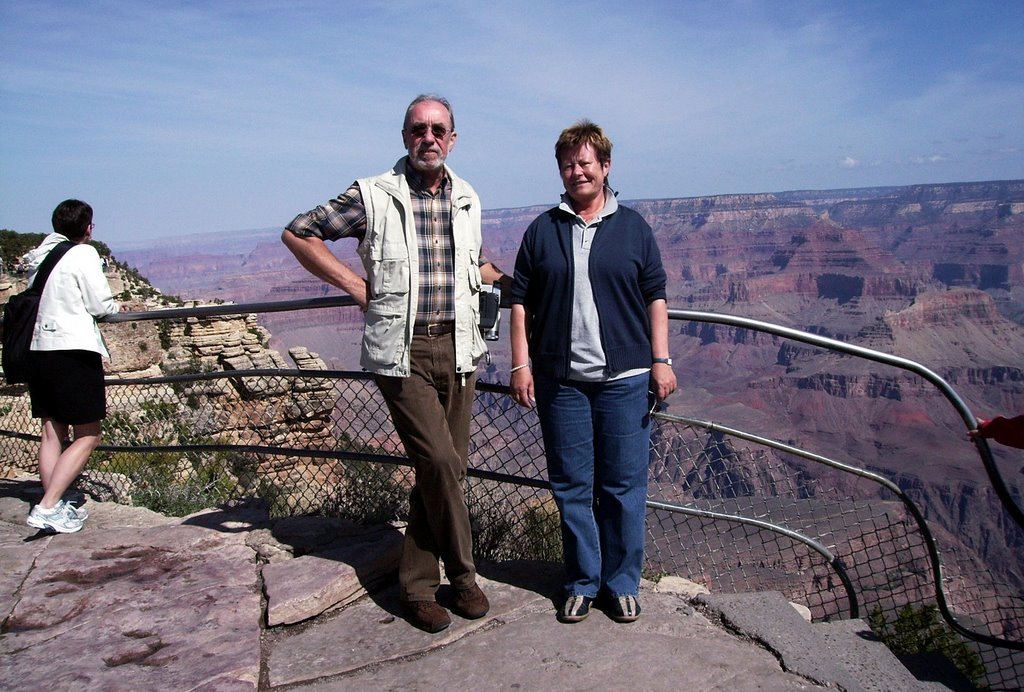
(273, 231)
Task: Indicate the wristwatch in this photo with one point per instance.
(666, 361)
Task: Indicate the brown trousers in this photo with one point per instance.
(431, 411)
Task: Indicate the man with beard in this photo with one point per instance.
(418, 227)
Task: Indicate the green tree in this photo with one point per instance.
(13, 245)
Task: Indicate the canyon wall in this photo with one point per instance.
(931, 273)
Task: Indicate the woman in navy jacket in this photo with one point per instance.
(590, 349)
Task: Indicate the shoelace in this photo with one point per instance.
(68, 510)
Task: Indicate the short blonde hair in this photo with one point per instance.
(580, 134)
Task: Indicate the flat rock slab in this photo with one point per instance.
(372, 631)
(874, 666)
(142, 601)
(18, 556)
(671, 647)
(767, 617)
(307, 586)
(175, 606)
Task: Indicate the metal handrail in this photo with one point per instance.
(233, 309)
(998, 484)
(930, 545)
(984, 451)
(834, 561)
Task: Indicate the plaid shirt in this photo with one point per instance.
(345, 217)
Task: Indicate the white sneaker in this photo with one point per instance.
(80, 513)
(57, 519)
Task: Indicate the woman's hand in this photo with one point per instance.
(520, 377)
(663, 380)
(521, 384)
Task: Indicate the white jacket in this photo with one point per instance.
(75, 295)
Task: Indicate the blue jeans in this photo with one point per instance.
(597, 438)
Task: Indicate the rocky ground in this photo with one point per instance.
(228, 600)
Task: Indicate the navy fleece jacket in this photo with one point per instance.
(626, 275)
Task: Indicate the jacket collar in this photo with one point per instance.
(396, 183)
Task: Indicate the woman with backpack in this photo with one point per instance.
(65, 384)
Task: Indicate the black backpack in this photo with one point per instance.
(20, 319)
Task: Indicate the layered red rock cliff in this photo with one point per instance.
(933, 273)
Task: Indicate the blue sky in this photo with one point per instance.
(193, 117)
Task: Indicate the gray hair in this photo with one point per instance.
(429, 97)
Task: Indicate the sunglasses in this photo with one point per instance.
(420, 130)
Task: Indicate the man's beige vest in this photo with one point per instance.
(391, 260)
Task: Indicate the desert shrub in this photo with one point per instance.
(918, 629)
(166, 490)
(172, 483)
(368, 493)
(507, 527)
(542, 527)
(493, 521)
(163, 330)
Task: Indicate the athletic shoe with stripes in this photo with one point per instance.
(575, 609)
(624, 609)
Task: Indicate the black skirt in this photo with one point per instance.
(67, 386)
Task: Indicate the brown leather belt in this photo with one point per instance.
(437, 329)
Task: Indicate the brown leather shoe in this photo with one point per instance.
(429, 616)
(471, 603)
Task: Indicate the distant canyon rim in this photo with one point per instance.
(933, 273)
